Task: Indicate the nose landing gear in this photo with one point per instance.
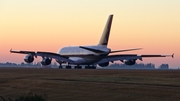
(60, 66)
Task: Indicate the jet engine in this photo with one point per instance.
(29, 58)
(130, 62)
(46, 61)
(104, 64)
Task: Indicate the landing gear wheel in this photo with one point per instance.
(77, 67)
(93, 67)
(68, 67)
(90, 67)
(86, 67)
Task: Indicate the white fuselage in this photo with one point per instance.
(83, 56)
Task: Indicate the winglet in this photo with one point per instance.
(11, 50)
(173, 55)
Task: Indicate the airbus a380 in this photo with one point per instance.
(87, 55)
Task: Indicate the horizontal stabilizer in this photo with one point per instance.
(125, 50)
(92, 49)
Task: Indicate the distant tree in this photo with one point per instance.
(38, 64)
(150, 66)
(164, 66)
(55, 64)
(22, 64)
(7, 63)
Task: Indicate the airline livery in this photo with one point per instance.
(90, 56)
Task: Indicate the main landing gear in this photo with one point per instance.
(77, 67)
(90, 67)
(60, 66)
(68, 67)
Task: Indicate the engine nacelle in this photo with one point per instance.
(130, 62)
(104, 64)
(46, 61)
(28, 58)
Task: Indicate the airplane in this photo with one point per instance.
(90, 56)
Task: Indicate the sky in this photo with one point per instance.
(48, 25)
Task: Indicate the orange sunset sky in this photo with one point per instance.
(48, 25)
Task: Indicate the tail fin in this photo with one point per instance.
(105, 35)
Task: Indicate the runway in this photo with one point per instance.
(97, 85)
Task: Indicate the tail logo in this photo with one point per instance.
(105, 35)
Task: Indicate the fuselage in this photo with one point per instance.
(83, 56)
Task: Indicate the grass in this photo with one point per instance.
(32, 97)
(88, 85)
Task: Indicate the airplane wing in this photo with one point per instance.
(45, 54)
(22, 52)
(111, 58)
(158, 55)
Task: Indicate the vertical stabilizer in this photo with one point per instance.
(105, 35)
